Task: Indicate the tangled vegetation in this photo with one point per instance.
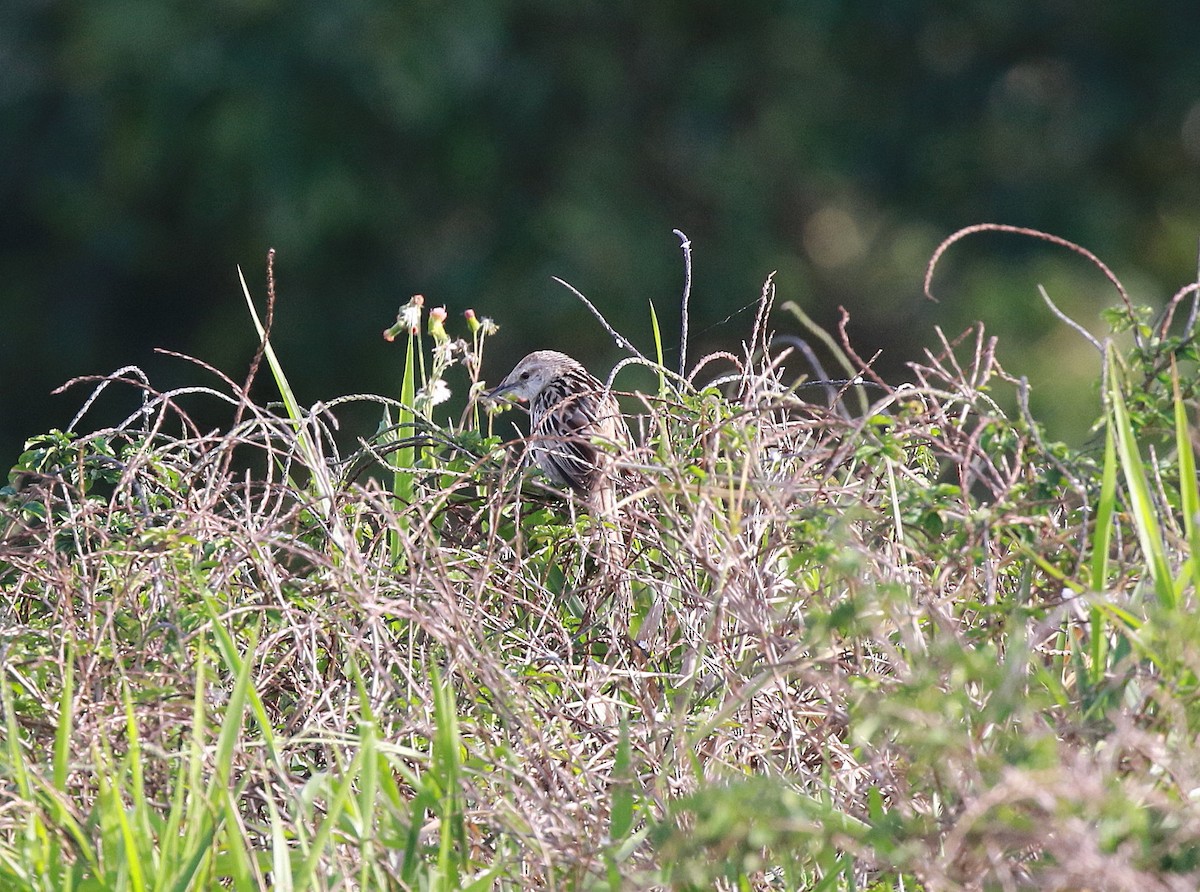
(906, 642)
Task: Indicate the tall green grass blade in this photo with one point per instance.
(140, 845)
(55, 873)
(218, 799)
(281, 381)
(132, 851)
(17, 774)
(1189, 494)
(281, 862)
(106, 817)
(658, 352)
(425, 801)
(60, 815)
(18, 771)
(177, 847)
(446, 772)
(368, 796)
(237, 861)
(308, 451)
(1106, 509)
(1143, 514)
(242, 695)
(195, 824)
(621, 815)
(199, 852)
(369, 785)
(343, 790)
(239, 666)
(621, 811)
(231, 731)
(62, 734)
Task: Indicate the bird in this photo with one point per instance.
(576, 434)
(576, 426)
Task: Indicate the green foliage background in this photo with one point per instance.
(471, 150)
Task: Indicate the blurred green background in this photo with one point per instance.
(471, 150)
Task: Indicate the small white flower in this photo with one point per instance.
(434, 395)
(410, 315)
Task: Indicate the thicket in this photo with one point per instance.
(908, 642)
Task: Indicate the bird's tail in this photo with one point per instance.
(613, 551)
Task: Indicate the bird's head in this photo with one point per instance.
(532, 374)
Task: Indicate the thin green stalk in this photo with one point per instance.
(402, 478)
(832, 346)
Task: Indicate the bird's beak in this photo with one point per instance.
(498, 392)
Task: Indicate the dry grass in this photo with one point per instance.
(889, 655)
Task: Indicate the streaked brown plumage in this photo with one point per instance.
(576, 433)
(575, 421)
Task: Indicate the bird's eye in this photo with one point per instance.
(524, 376)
